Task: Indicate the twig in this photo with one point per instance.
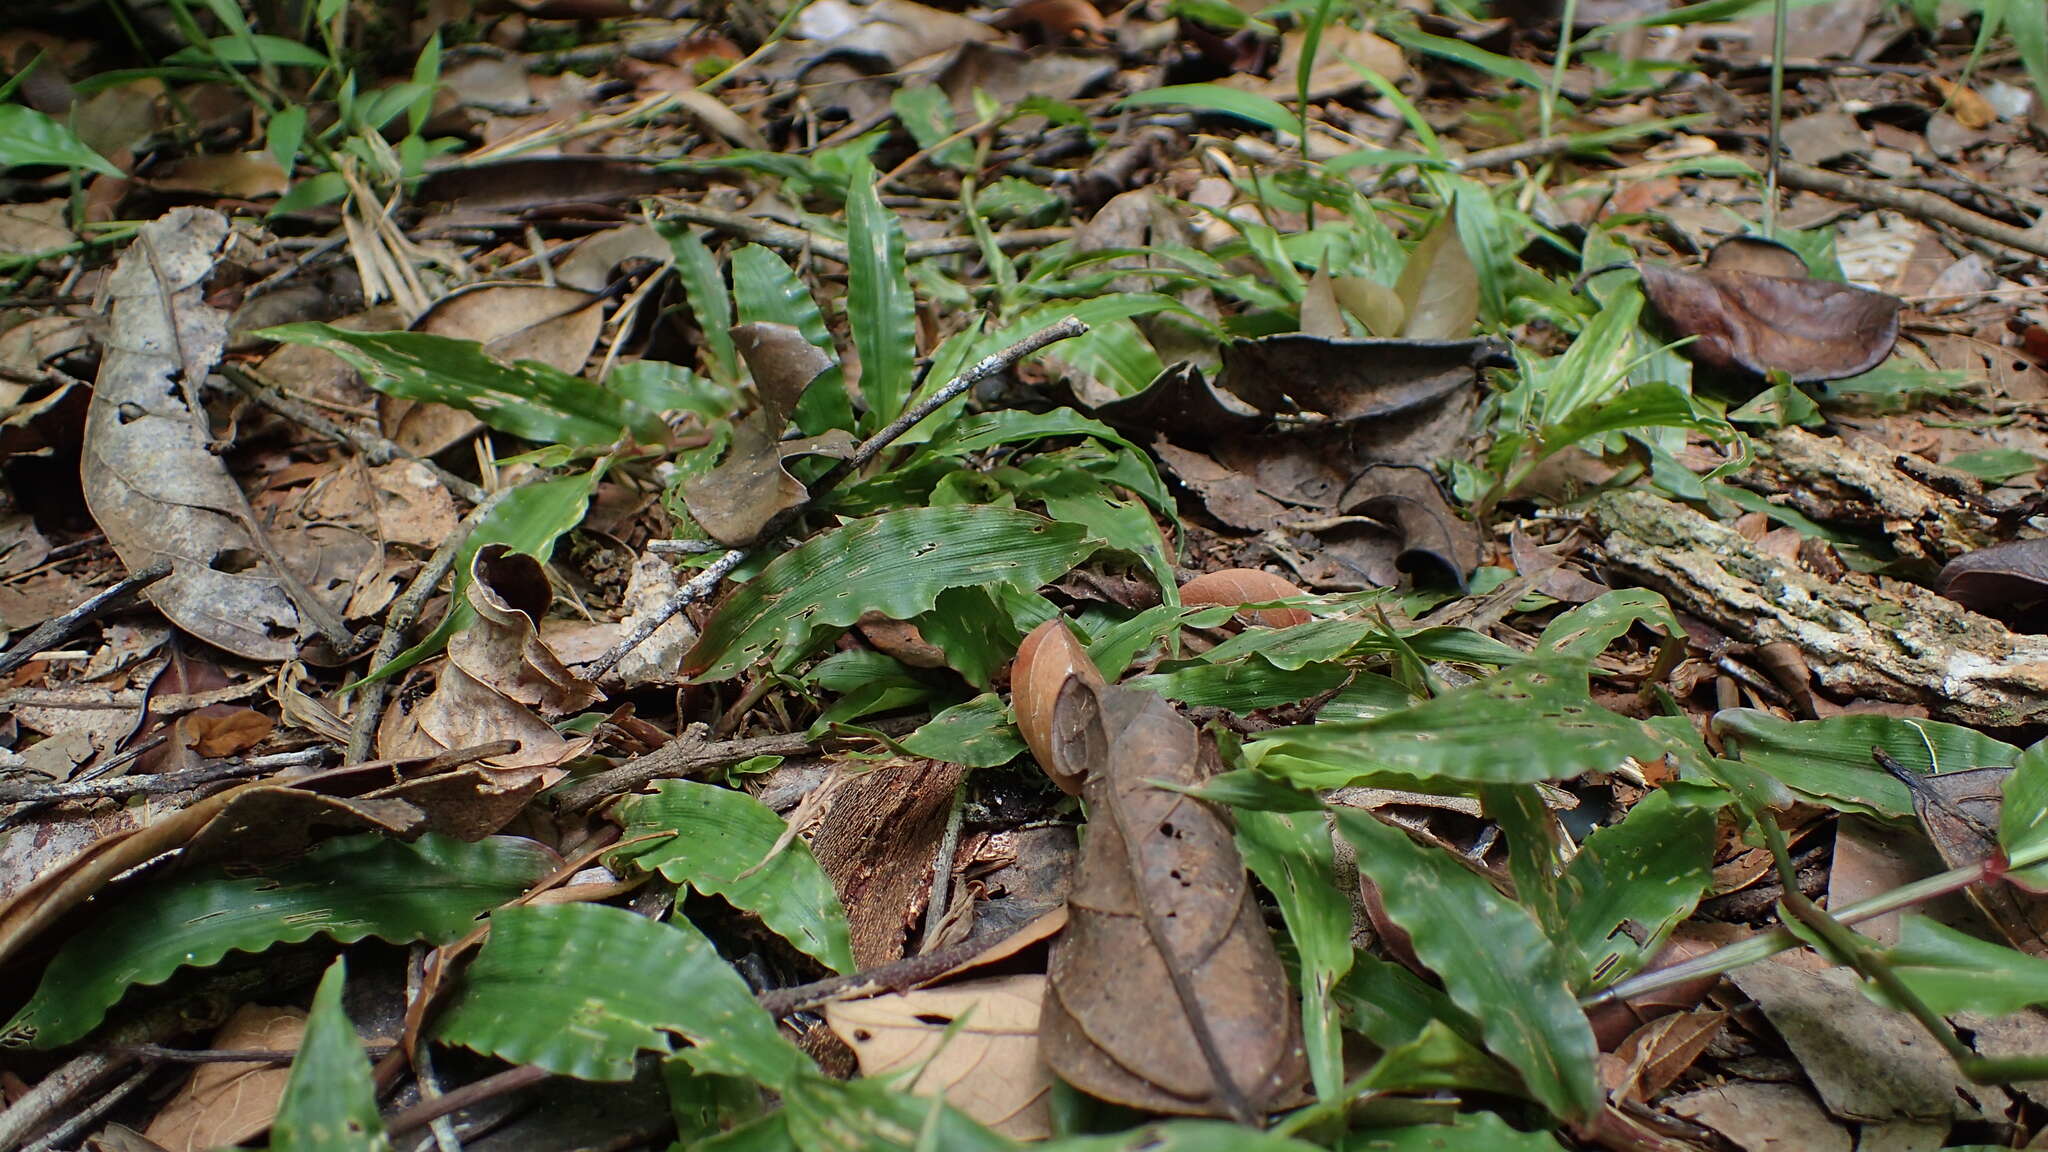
(908, 972)
(1913, 202)
(157, 783)
(89, 1115)
(226, 1055)
(54, 1093)
(57, 629)
(370, 446)
(770, 234)
(362, 733)
(941, 899)
(489, 1088)
(704, 582)
(687, 755)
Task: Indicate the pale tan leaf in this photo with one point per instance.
(988, 1067)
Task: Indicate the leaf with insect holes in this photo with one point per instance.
(1829, 761)
(895, 564)
(330, 1104)
(579, 989)
(879, 303)
(727, 844)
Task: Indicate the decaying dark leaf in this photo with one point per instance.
(738, 498)
(150, 478)
(1959, 811)
(2008, 582)
(1166, 992)
(1753, 309)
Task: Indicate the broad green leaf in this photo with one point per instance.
(246, 50)
(879, 308)
(1587, 630)
(976, 635)
(1392, 1006)
(1179, 1136)
(528, 399)
(980, 733)
(981, 430)
(283, 135)
(528, 520)
(1243, 685)
(1652, 405)
(720, 845)
(896, 564)
(27, 137)
(1829, 760)
(1649, 870)
(1463, 930)
(1956, 972)
(1529, 723)
(875, 1116)
(346, 889)
(1470, 55)
(1262, 110)
(330, 1103)
(579, 988)
(1291, 855)
(705, 1107)
(704, 291)
(1467, 1132)
(2023, 817)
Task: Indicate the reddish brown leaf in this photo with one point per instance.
(1045, 661)
(2008, 581)
(1236, 586)
(1811, 330)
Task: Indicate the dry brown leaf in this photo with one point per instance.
(1969, 107)
(226, 1103)
(1236, 586)
(235, 730)
(1658, 1053)
(734, 501)
(1439, 286)
(1166, 991)
(150, 477)
(1045, 660)
(236, 175)
(1811, 330)
(988, 1067)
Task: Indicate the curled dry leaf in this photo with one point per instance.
(735, 500)
(1753, 310)
(149, 475)
(1166, 991)
(225, 1103)
(976, 1044)
(499, 681)
(1045, 660)
(1236, 586)
(2006, 581)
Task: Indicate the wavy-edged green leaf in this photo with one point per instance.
(1466, 1132)
(980, 430)
(1829, 761)
(2023, 818)
(1532, 722)
(248, 50)
(875, 1116)
(527, 398)
(1587, 630)
(1649, 870)
(896, 563)
(704, 291)
(719, 844)
(330, 1102)
(879, 308)
(28, 137)
(1462, 929)
(579, 988)
(981, 733)
(1243, 685)
(1262, 110)
(1291, 854)
(432, 889)
(528, 520)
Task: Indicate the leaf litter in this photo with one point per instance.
(1527, 565)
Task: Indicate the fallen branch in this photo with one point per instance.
(770, 234)
(686, 756)
(158, 783)
(1913, 202)
(706, 581)
(895, 976)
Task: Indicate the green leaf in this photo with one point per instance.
(1392, 1006)
(767, 291)
(1652, 405)
(1292, 856)
(1956, 972)
(1649, 870)
(896, 564)
(330, 1103)
(879, 307)
(875, 1116)
(246, 50)
(1179, 1136)
(1466, 1132)
(1587, 630)
(1463, 929)
(1829, 760)
(1243, 685)
(719, 845)
(579, 988)
(348, 888)
(27, 137)
(2023, 818)
(1261, 110)
(980, 733)
(704, 290)
(528, 520)
(1529, 723)
(1995, 465)
(528, 399)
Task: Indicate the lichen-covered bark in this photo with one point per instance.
(1881, 639)
(1924, 509)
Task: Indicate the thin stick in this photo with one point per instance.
(160, 782)
(905, 973)
(1779, 11)
(1913, 202)
(770, 234)
(689, 755)
(489, 1088)
(371, 447)
(362, 733)
(86, 1117)
(704, 582)
(57, 629)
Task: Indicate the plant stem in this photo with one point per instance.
(1779, 10)
(1546, 108)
